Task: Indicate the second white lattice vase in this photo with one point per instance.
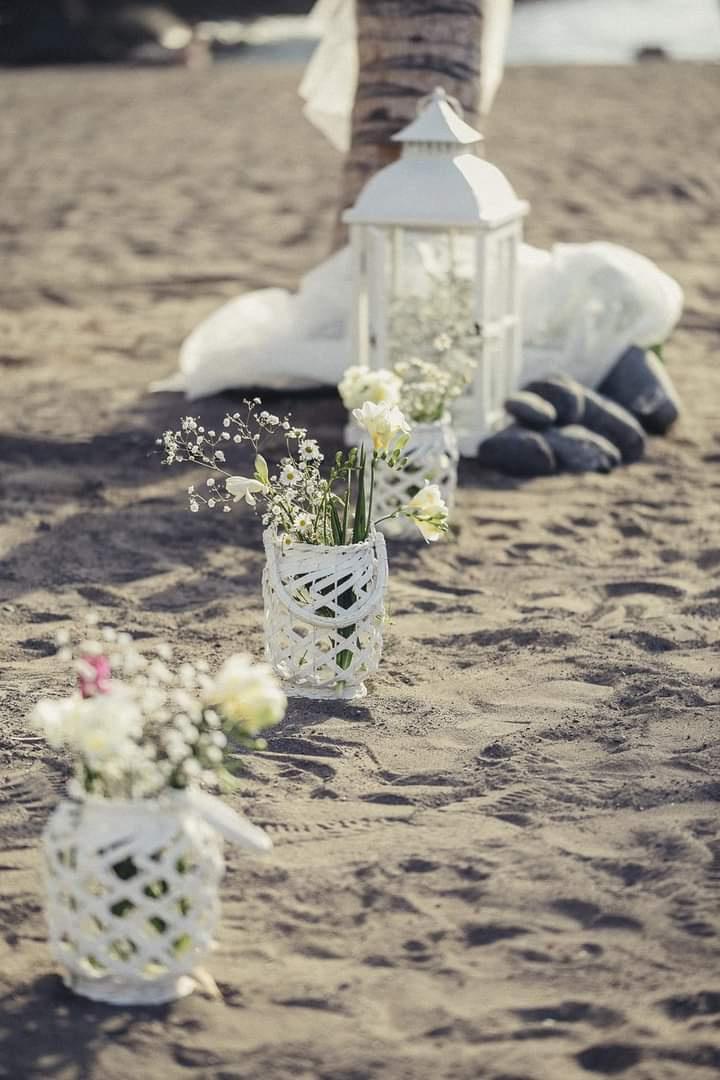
(324, 612)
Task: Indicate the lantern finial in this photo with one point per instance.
(439, 122)
(440, 94)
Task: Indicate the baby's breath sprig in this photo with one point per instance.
(428, 370)
(414, 320)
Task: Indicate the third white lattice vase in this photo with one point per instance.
(324, 612)
(432, 452)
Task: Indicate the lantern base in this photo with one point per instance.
(468, 445)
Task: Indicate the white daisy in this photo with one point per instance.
(302, 523)
(309, 450)
(289, 474)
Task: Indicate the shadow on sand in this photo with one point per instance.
(45, 1031)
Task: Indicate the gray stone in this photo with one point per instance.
(531, 409)
(640, 383)
(578, 449)
(608, 418)
(564, 394)
(518, 452)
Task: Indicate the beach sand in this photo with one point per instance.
(505, 862)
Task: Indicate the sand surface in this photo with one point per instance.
(505, 864)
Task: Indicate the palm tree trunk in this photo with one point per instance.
(405, 49)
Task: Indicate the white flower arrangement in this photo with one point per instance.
(297, 498)
(421, 389)
(138, 727)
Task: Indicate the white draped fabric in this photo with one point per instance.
(582, 306)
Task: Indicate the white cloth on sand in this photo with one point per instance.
(582, 306)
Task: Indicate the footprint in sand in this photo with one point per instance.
(298, 767)
(690, 1006)
(481, 934)
(572, 1012)
(609, 1059)
(38, 646)
(417, 865)
(652, 588)
(591, 917)
(387, 799)
(309, 748)
(514, 807)
(102, 597)
(688, 912)
(709, 559)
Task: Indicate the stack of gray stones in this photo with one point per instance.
(561, 425)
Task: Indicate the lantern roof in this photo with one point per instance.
(438, 181)
(438, 122)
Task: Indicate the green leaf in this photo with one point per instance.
(338, 535)
(359, 523)
(346, 505)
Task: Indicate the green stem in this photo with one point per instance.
(359, 528)
(346, 510)
(388, 517)
(368, 519)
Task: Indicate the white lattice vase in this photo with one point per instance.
(324, 611)
(132, 896)
(432, 452)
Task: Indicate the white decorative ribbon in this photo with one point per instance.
(232, 826)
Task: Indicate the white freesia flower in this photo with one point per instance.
(243, 487)
(429, 512)
(56, 720)
(383, 423)
(360, 384)
(247, 694)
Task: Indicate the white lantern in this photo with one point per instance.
(435, 239)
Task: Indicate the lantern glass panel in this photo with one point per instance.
(430, 283)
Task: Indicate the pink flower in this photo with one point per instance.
(94, 676)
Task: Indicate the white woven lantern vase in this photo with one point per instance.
(324, 611)
(132, 898)
(432, 450)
